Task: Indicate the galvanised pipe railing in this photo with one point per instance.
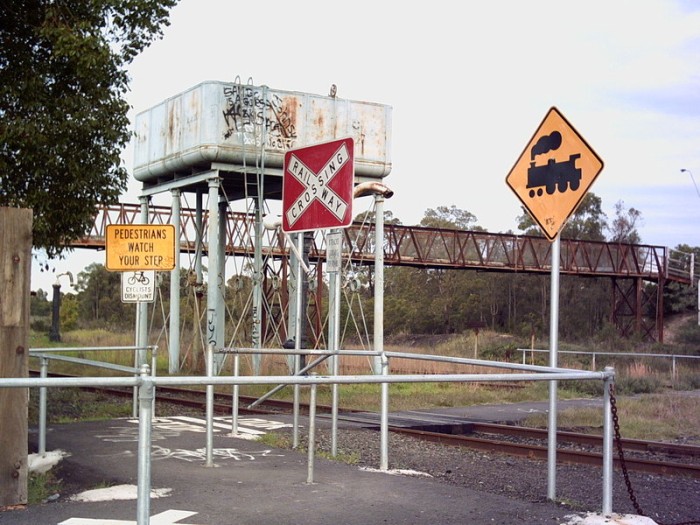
(47, 354)
(673, 357)
(146, 385)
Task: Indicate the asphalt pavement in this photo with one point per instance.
(249, 483)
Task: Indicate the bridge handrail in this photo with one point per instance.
(420, 246)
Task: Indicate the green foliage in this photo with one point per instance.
(584, 388)
(588, 222)
(638, 385)
(624, 225)
(42, 486)
(69, 312)
(40, 309)
(679, 298)
(691, 382)
(276, 440)
(368, 217)
(77, 405)
(99, 298)
(625, 385)
(450, 217)
(689, 334)
(40, 303)
(63, 111)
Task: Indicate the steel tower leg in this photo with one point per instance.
(213, 259)
(174, 344)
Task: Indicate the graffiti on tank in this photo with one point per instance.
(248, 113)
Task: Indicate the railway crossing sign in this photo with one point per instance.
(317, 185)
(554, 173)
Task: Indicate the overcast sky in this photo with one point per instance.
(468, 84)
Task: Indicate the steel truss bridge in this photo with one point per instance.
(629, 266)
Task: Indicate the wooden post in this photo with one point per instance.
(476, 326)
(15, 268)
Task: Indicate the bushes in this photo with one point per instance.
(689, 333)
(623, 386)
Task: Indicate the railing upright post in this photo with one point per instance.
(312, 434)
(42, 407)
(143, 504)
(607, 442)
(154, 372)
(235, 398)
(384, 439)
(210, 408)
(673, 369)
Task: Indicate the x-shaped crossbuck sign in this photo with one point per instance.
(316, 185)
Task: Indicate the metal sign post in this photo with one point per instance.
(334, 242)
(551, 177)
(317, 190)
(553, 350)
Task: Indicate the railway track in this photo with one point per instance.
(573, 447)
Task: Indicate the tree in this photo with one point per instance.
(583, 305)
(63, 115)
(679, 298)
(40, 303)
(624, 225)
(99, 298)
(368, 217)
(450, 217)
(432, 300)
(587, 223)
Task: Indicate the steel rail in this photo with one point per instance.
(183, 397)
(518, 449)
(587, 439)
(563, 455)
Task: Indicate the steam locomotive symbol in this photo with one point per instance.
(553, 175)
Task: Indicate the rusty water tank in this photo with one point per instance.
(245, 125)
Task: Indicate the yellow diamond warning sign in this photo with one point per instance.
(554, 173)
(140, 247)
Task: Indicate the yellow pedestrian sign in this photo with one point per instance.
(554, 173)
(140, 247)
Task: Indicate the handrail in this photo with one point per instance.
(146, 386)
(47, 354)
(425, 247)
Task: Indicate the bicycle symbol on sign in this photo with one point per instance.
(138, 277)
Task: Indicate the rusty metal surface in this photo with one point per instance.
(429, 247)
(246, 125)
(628, 266)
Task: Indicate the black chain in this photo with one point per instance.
(623, 464)
(621, 453)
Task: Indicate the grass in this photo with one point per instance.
(634, 376)
(94, 338)
(284, 441)
(76, 405)
(655, 417)
(659, 415)
(42, 486)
